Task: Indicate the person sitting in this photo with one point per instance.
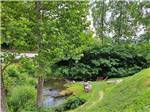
(87, 87)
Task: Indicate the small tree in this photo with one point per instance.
(6, 59)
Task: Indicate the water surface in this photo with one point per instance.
(51, 92)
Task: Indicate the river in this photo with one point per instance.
(51, 91)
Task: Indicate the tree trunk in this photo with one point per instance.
(102, 21)
(3, 103)
(119, 35)
(39, 91)
(39, 100)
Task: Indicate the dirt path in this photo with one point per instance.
(101, 95)
(115, 81)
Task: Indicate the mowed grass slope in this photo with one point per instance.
(130, 95)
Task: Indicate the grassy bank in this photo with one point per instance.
(130, 95)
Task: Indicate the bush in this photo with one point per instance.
(71, 103)
(22, 97)
(27, 65)
(25, 79)
(102, 61)
(13, 77)
(12, 71)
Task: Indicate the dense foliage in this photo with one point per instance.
(103, 61)
(61, 35)
(42, 27)
(22, 98)
(71, 103)
(19, 77)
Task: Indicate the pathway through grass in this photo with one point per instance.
(130, 94)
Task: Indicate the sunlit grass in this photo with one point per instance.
(130, 95)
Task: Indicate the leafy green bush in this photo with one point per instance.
(14, 76)
(22, 97)
(103, 61)
(11, 76)
(13, 71)
(74, 103)
(27, 65)
(143, 48)
(24, 79)
(71, 103)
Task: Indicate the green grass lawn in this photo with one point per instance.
(130, 95)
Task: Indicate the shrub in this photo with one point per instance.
(22, 97)
(71, 103)
(12, 71)
(13, 77)
(27, 65)
(25, 79)
(102, 61)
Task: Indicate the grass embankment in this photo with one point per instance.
(130, 95)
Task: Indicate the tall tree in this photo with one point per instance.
(58, 41)
(139, 11)
(55, 29)
(123, 20)
(99, 9)
(40, 65)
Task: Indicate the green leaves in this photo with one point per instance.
(22, 97)
(61, 32)
(16, 25)
(71, 103)
(121, 20)
(102, 61)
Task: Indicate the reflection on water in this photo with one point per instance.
(51, 91)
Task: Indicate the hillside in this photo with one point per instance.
(132, 94)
